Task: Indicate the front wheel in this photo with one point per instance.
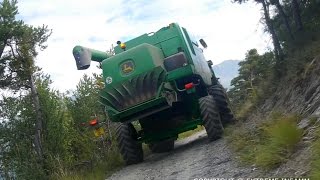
(211, 117)
(130, 148)
(220, 96)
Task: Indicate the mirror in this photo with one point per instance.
(203, 43)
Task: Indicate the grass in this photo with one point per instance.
(191, 132)
(244, 111)
(146, 149)
(103, 168)
(99, 169)
(268, 145)
(315, 165)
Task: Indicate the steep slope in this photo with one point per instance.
(299, 96)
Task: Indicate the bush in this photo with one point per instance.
(315, 165)
(269, 144)
(93, 170)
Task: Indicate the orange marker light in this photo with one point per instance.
(93, 122)
(123, 45)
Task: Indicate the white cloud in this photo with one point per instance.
(229, 29)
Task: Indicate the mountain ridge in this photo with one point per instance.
(226, 71)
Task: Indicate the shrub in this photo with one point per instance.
(268, 145)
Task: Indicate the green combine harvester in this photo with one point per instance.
(162, 81)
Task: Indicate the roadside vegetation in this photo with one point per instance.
(269, 144)
(272, 142)
(294, 29)
(315, 164)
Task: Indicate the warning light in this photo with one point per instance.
(189, 86)
(123, 45)
(93, 122)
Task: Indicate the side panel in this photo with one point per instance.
(201, 66)
(141, 58)
(199, 61)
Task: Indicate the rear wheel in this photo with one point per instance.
(130, 148)
(222, 101)
(162, 146)
(211, 118)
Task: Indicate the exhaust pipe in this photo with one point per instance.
(84, 56)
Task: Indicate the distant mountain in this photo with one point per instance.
(226, 71)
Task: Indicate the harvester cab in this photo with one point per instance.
(163, 81)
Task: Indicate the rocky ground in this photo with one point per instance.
(193, 157)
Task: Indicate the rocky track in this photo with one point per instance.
(193, 158)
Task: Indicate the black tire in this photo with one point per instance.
(220, 96)
(162, 146)
(211, 118)
(130, 148)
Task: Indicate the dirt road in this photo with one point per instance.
(192, 158)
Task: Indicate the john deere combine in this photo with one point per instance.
(162, 81)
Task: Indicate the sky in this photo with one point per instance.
(229, 29)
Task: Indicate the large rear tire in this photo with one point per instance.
(220, 96)
(162, 146)
(211, 118)
(130, 148)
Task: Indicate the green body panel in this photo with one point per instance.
(145, 57)
(180, 72)
(138, 83)
(117, 116)
(168, 39)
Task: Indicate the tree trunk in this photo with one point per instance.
(38, 132)
(277, 48)
(297, 15)
(285, 18)
(2, 46)
(279, 68)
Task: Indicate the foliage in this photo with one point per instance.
(18, 131)
(315, 165)
(269, 144)
(254, 72)
(18, 44)
(22, 123)
(67, 146)
(96, 170)
(295, 26)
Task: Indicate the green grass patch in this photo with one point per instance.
(268, 145)
(99, 169)
(191, 132)
(315, 165)
(146, 149)
(245, 110)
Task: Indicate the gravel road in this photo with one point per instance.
(193, 157)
